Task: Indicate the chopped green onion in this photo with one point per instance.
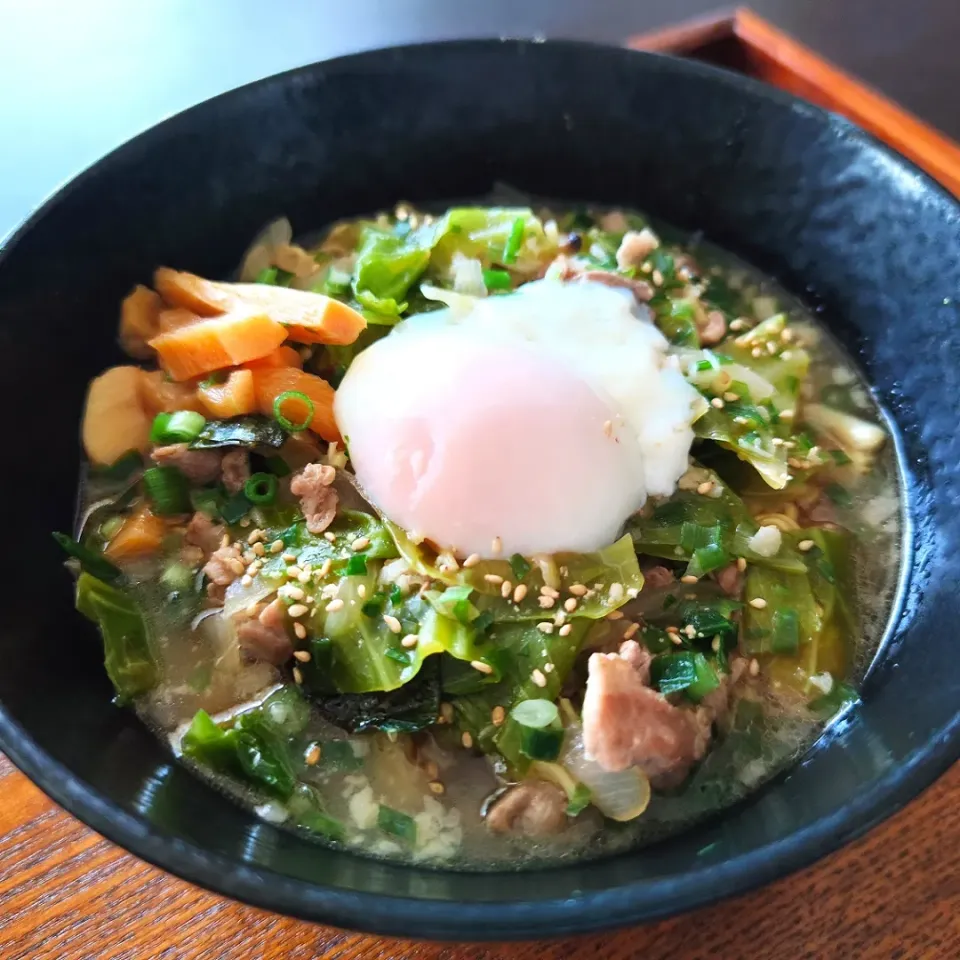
(286, 397)
(482, 622)
(785, 637)
(541, 743)
(397, 824)
(657, 640)
(708, 558)
(111, 527)
(235, 508)
(177, 576)
(261, 488)
(686, 671)
(92, 562)
(204, 500)
(278, 466)
(180, 427)
(267, 275)
(357, 565)
(519, 566)
(497, 280)
(336, 283)
(396, 594)
(535, 713)
(400, 655)
(514, 240)
(374, 606)
(579, 800)
(167, 489)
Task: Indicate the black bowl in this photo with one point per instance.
(839, 219)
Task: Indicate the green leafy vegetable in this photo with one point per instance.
(92, 562)
(128, 655)
(397, 824)
(687, 671)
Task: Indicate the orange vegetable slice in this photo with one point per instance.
(270, 382)
(309, 317)
(114, 420)
(159, 394)
(284, 356)
(187, 290)
(139, 321)
(174, 318)
(199, 348)
(235, 397)
(142, 534)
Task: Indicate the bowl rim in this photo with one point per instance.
(377, 913)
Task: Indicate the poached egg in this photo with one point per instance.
(531, 422)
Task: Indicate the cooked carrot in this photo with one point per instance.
(159, 394)
(114, 421)
(139, 317)
(284, 356)
(181, 289)
(228, 341)
(269, 383)
(309, 317)
(142, 534)
(232, 398)
(175, 317)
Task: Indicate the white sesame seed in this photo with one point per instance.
(498, 715)
(312, 757)
(361, 590)
(276, 546)
(741, 564)
(436, 787)
(293, 572)
(731, 397)
(786, 414)
(334, 605)
(466, 740)
(758, 603)
(614, 615)
(738, 324)
(754, 667)
(506, 588)
(290, 558)
(805, 545)
(616, 592)
(690, 630)
(548, 668)
(570, 604)
(330, 537)
(538, 678)
(294, 593)
(632, 593)
(225, 541)
(631, 631)
(715, 644)
(496, 546)
(361, 543)
(545, 602)
(676, 639)
(246, 580)
(560, 618)
(550, 592)
(472, 560)
(259, 549)
(493, 578)
(717, 402)
(704, 488)
(325, 568)
(393, 623)
(756, 352)
(297, 676)
(298, 610)
(545, 626)
(302, 655)
(577, 589)
(688, 578)
(565, 630)
(519, 592)
(608, 428)
(255, 535)
(481, 667)
(300, 630)
(410, 640)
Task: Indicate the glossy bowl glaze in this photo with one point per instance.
(839, 219)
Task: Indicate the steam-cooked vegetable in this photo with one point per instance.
(114, 422)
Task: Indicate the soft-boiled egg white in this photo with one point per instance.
(527, 423)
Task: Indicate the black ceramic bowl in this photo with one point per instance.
(836, 217)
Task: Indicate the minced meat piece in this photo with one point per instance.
(318, 500)
(235, 470)
(198, 466)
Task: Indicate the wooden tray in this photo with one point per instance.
(742, 41)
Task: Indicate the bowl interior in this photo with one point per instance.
(838, 220)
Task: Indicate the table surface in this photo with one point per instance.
(79, 79)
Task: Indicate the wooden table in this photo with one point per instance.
(68, 894)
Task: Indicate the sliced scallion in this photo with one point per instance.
(167, 489)
(293, 396)
(357, 565)
(92, 562)
(182, 426)
(235, 508)
(496, 280)
(535, 713)
(267, 275)
(261, 488)
(514, 240)
(397, 824)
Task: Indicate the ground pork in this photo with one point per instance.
(318, 500)
(198, 466)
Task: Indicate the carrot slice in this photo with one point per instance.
(284, 356)
(174, 318)
(232, 398)
(142, 534)
(158, 394)
(181, 289)
(270, 382)
(139, 321)
(309, 317)
(228, 341)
